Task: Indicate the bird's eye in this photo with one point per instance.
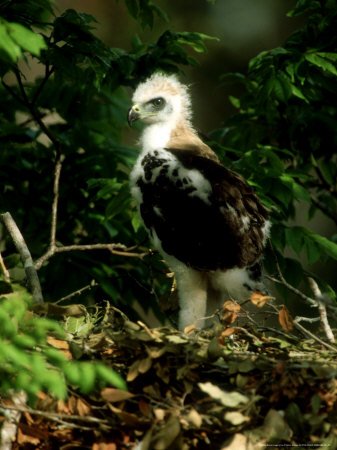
(158, 102)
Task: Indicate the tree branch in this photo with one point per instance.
(287, 285)
(48, 73)
(57, 174)
(4, 270)
(115, 249)
(317, 339)
(322, 310)
(318, 302)
(28, 264)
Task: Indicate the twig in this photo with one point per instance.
(78, 292)
(4, 269)
(53, 415)
(289, 286)
(13, 94)
(304, 330)
(57, 173)
(307, 319)
(322, 310)
(28, 264)
(48, 72)
(36, 116)
(122, 251)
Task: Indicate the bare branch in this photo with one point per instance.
(78, 292)
(115, 249)
(286, 284)
(53, 415)
(4, 270)
(13, 94)
(48, 73)
(322, 310)
(57, 173)
(28, 264)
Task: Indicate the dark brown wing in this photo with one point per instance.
(224, 232)
(237, 201)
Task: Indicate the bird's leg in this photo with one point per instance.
(192, 291)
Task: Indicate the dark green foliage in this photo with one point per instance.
(81, 85)
(285, 129)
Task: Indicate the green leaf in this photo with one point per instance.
(329, 171)
(298, 93)
(55, 383)
(132, 7)
(9, 50)
(282, 87)
(302, 6)
(195, 40)
(87, 381)
(26, 39)
(313, 251)
(107, 375)
(119, 203)
(295, 238)
(73, 372)
(55, 356)
(328, 246)
(234, 101)
(317, 60)
(136, 221)
(300, 193)
(278, 237)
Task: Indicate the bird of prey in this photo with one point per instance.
(205, 219)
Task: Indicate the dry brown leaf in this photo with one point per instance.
(285, 319)
(228, 332)
(64, 435)
(23, 438)
(259, 299)
(61, 345)
(129, 418)
(115, 395)
(229, 312)
(104, 446)
(62, 407)
(72, 445)
(144, 408)
(144, 365)
(83, 408)
(32, 434)
(189, 329)
(72, 405)
(133, 371)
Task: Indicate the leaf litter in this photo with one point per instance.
(230, 387)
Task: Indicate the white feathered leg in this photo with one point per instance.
(192, 291)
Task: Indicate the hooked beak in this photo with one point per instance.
(133, 114)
